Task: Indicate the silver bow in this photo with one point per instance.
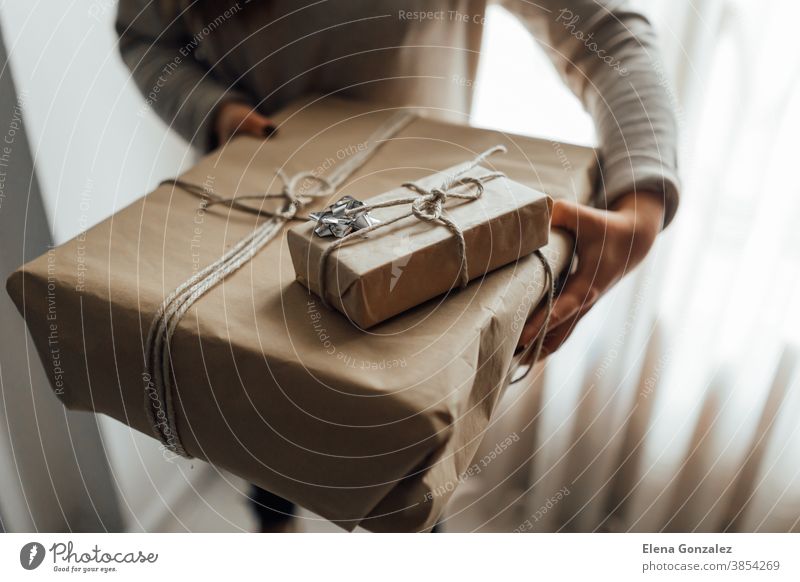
(336, 220)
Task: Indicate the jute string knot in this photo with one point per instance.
(429, 206)
(296, 190)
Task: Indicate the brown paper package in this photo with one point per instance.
(364, 428)
(408, 262)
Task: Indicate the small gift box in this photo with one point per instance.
(375, 259)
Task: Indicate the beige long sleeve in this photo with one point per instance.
(607, 54)
(405, 52)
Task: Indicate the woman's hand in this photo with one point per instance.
(234, 118)
(608, 245)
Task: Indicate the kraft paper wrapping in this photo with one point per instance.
(408, 262)
(359, 427)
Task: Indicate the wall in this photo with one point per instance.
(96, 149)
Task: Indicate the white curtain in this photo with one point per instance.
(675, 404)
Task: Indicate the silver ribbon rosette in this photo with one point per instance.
(341, 218)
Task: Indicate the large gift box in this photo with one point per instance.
(370, 428)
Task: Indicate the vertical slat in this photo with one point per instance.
(745, 486)
(625, 481)
(53, 471)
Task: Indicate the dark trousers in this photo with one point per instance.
(269, 508)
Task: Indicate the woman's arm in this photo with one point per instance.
(606, 53)
(608, 56)
(159, 52)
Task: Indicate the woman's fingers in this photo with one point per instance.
(531, 328)
(577, 218)
(558, 335)
(578, 294)
(255, 124)
(579, 291)
(608, 244)
(566, 215)
(239, 119)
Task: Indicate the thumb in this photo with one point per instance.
(565, 215)
(571, 216)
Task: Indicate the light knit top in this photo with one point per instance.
(403, 52)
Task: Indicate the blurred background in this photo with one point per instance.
(673, 407)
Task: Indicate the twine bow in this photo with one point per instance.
(297, 190)
(427, 205)
(158, 380)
